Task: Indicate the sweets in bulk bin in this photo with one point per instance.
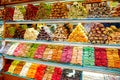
(13, 66)
(8, 13)
(32, 50)
(99, 10)
(23, 52)
(97, 33)
(44, 11)
(40, 72)
(59, 10)
(61, 33)
(77, 55)
(7, 65)
(77, 11)
(12, 48)
(67, 54)
(100, 57)
(57, 74)
(57, 54)
(32, 70)
(25, 69)
(19, 13)
(39, 51)
(20, 31)
(116, 11)
(48, 73)
(78, 34)
(44, 34)
(1, 13)
(69, 74)
(92, 76)
(47, 55)
(88, 56)
(18, 49)
(9, 31)
(7, 46)
(91, 1)
(31, 12)
(31, 34)
(19, 67)
(113, 57)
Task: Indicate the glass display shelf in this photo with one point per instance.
(64, 43)
(104, 70)
(52, 21)
(16, 75)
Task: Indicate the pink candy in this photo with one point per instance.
(67, 54)
(40, 50)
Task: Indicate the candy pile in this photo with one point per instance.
(48, 73)
(97, 33)
(69, 74)
(77, 11)
(101, 57)
(44, 34)
(31, 34)
(1, 30)
(78, 34)
(60, 34)
(113, 56)
(57, 74)
(40, 72)
(32, 70)
(8, 14)
(31, 12)
(56, 56)
(44, 11)
(19, 13)
(1, 13)
(59, 10)
(116, 11)
(99, 10)
(88, 56)
(40, 50)
(19, 67)
(67, 54)
(77, 55)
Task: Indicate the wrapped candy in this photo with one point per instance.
(78, 34)
(101, 57)
(40, 72)
(40, 50)
(77, 55)
(88, 56)
(48, 73)
(69, 74)
(67, 54)
(31, 34)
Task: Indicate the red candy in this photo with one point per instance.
(40, 72)
(40, 50)
(57, 74)
(100, 57)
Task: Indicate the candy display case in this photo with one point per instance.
(62, 40)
